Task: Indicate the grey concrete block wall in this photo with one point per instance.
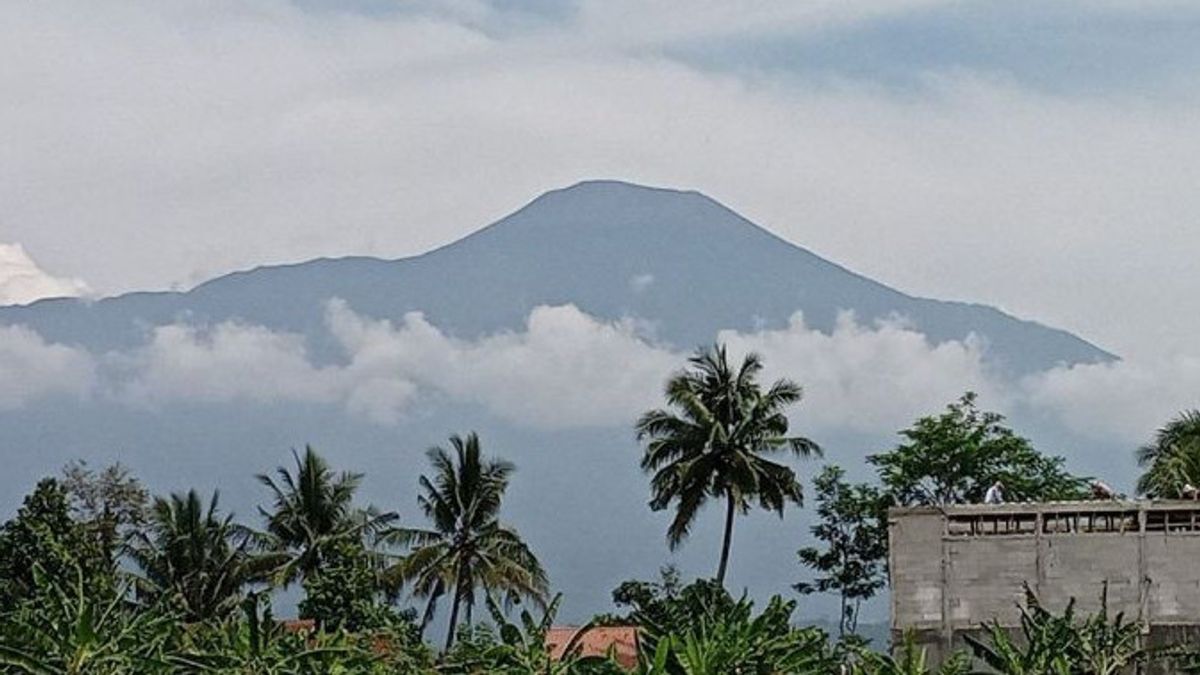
(955, 568)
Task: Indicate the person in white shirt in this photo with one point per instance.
(994, 494)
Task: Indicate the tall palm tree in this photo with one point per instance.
(1172, 460)
(194, 558)
(468, 548)
(313, 509)
(713, 443)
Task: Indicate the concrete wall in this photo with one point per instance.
(955, 568)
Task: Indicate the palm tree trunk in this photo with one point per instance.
(430, 607)
(453, 619)
(729, 513)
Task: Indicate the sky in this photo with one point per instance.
(1039, 157)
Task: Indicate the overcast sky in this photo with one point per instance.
(1038, 156)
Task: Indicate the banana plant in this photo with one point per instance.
(909, 659)
(260, 645)
(70, 629)
(735, 641)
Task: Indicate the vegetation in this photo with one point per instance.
(313, 511)
(909, 659)
(714, 441)
(98, 578)
(852, 526)
(1063, 644)
(953, 458)
(1172, 459)
(468, 548)
(193, 559)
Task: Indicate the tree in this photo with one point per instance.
(346, 593)
(713, 443)
(43, 535)
(468, 547)
(853, 529)
(1172, 460)
(111, 503)
(313, 510)
(194, 559)
(953, 458)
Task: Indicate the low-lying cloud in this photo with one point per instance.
(31, 368)
(1125, 400)
(567, 369)
(22, 281)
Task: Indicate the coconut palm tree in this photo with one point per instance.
(313, 509)
(714, 440)
(195, 559)
(468, 548)
(1172, 460)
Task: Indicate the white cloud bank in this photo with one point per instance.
(31, 368)
(868, 378)
(22, 281)
(1125, 400)
(567, 369)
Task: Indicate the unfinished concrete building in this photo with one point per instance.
(956, 567)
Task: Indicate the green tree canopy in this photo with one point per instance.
(347, 592)
(852, 527)
(713, 443)
(43, 535)
(953, 457)
(1172, 460)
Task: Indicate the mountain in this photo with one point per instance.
(679, 262)
(678, 259)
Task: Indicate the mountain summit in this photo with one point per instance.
(678, 259)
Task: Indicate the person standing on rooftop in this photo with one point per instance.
(994, 494)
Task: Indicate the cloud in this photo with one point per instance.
(1126, 400)
(869, 378)
(227, 135)
(641, 282)
(22, 281)
(31, 369)
(566, 369)
(228, 362)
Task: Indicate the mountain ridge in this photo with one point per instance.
(614, 249)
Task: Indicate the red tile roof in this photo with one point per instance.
(596, 642)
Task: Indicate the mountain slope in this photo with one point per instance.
(680, 260)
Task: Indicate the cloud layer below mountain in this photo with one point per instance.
(566, 369)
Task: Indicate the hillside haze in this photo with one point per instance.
(679, 260)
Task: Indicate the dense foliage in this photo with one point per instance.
(953, 458)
